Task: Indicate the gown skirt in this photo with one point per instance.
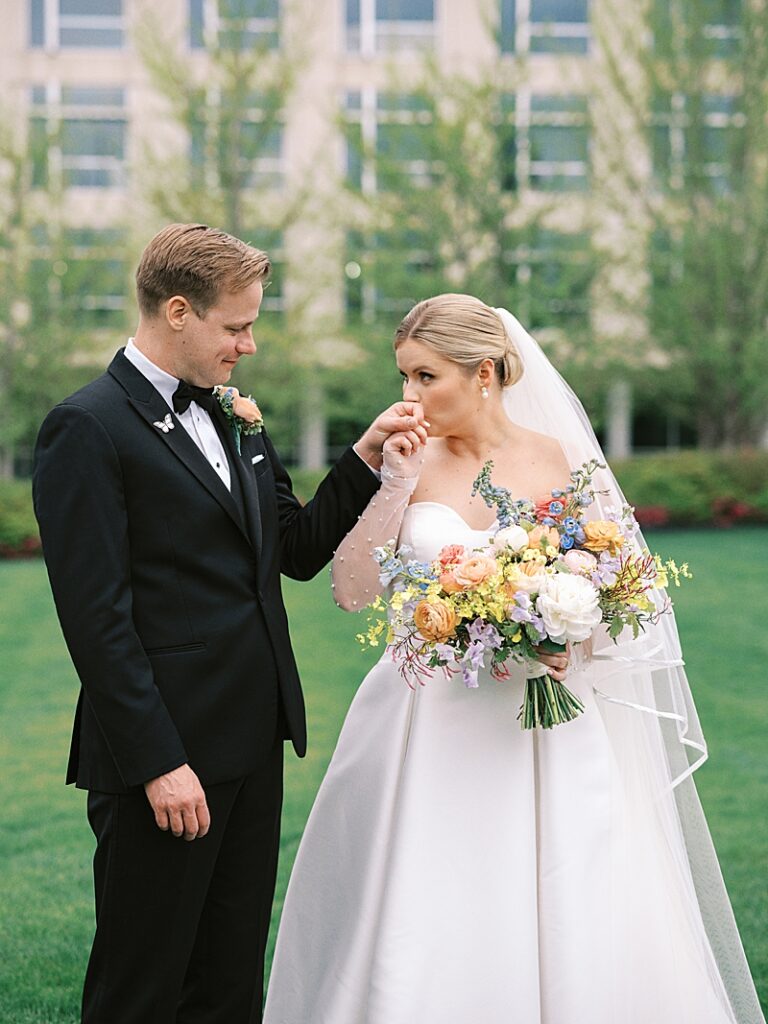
(456, 869)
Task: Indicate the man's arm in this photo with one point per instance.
(310, 534)
(80, 507)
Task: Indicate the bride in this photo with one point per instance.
(456, 869)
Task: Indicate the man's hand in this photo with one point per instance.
(404, 418)
(179, 803)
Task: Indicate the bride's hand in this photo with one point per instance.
(556, 663)
(402, 418)
(402, 457)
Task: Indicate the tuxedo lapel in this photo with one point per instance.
(245, 475)
(151, 406)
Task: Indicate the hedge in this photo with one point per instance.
(688, 488)
(697, 488)
(18, 528)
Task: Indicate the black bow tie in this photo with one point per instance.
(186, 393)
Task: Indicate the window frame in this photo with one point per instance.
(519, 32)
(676, 123)
(370, 38)
(264, 172)
(54, 113)
(370, 115)
(213, 23)
(46, 16)
(534, 172)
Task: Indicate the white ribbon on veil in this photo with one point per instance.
(664, 742)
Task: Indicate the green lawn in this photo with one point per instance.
(46, 912)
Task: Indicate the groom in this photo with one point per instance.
(165, 541)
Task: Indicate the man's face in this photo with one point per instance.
(209, 347)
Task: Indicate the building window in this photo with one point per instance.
(241, 148)
(717, 30)
(559, 26)
(544, 26)
(76, 23)
(557, 152)
(234, 24)
(507, 142)
(692, 141)
(78, 136)
(83, 276)
(553, 274)
(385, 26)
(386, 274)
(388, 140)
(723, 27)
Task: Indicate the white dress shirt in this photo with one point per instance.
(196, 421)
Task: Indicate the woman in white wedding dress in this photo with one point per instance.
(456, 869)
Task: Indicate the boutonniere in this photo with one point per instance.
(243, 414)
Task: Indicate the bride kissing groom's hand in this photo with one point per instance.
(404, 419)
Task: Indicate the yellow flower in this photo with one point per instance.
(601, 535)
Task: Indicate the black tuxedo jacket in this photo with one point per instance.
(167, 591)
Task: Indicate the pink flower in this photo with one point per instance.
(451, 554)
(246, 409)
(580, 561)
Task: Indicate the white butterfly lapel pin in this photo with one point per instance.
(165, 424)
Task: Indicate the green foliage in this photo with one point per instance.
(18, 526)
(61, 298)
(697, 487)
(433, 206)
(693, 84)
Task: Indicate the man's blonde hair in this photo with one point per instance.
(466, 331)
(197, 262)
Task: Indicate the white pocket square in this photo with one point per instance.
(256, 458)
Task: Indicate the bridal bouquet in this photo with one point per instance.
(547, 577)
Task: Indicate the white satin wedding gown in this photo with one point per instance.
(456, 869)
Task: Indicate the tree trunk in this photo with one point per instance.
(6, 462)
(313, 446)
(618, 441)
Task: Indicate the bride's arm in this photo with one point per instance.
(354, 571)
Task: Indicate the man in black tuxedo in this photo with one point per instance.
(165, 537)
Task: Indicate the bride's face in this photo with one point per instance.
(444, 389)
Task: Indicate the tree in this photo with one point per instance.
(226, 109)
(54, 303)
(439, 205)
(689, 161)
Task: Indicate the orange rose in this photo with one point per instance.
(448, 582)
(435, 620)
(547, 535)
(474, 571)
(601, 535)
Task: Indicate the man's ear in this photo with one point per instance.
(177, 310)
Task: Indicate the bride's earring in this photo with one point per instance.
(484, 391)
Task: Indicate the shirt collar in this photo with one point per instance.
(159, 379)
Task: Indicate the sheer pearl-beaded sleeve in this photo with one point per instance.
(354, 571)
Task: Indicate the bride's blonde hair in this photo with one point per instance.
(466, 331)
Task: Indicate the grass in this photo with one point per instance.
(46, 918)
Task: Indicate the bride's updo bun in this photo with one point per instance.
(466, 331)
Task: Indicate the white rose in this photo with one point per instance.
(569, 607)
(513, 537)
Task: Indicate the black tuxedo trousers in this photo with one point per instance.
(167, 587)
